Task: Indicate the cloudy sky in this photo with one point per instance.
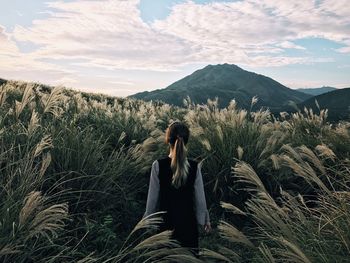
(121, 47)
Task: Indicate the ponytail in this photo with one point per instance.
(179, 163)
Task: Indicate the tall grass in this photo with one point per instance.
(74, 171)
(297, 228)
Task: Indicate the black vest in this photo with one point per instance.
(177, 202)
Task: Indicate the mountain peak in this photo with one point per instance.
(227, 82)
(223, 66)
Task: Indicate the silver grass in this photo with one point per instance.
(122, 137)
(210, 254)
(266, 253)
(240, 152)
(51, 104)
(26, 98)
(232, 208)
(46, 160)
(272, 143)
(310, 156)
(261, 116)
(324, 151)
(157, 248)
(49, 221)
(294, 253)
(45, 143)
(3, 94)
(33, 123)
(232, 234)
(31, 202)
(254, 101)
(284, 114)
(220, 133)
(160, 239)
(230, 253)
(205, 142)
(304, 170)
(40, 219)
(162, 253)
(8, 250)
(246, 174)
(151, 221)
(275, 161)
(232, 105)
(269, 216)
(292, 151)
(241, 117)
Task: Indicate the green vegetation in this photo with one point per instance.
(75, 167)
(337, 102)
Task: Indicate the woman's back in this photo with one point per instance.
(176, 187)
(178, 203)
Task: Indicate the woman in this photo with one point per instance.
(176, 186)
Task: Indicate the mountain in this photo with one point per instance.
(337, 102)
(317, 91)
(226, 82)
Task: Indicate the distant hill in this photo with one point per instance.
(337, 102)
(317, 91)
(226, 82)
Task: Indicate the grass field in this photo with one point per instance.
(75, 169)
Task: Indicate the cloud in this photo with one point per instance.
(238, 30)
(109, 35)
(290, 45)
(7, 47)
(17, 65)
(344, 49)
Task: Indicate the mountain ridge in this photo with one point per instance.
(337, 102)
(227, 82)
(316, 91)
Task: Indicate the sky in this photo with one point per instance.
(121, 47)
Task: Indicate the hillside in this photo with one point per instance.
(337, 102)
(317, 91)
(75, 173)
(226, 82)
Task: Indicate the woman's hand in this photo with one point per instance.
(207, 227)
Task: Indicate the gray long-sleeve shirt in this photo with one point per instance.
(152, 205)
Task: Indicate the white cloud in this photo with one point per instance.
(7, 47)
(107, 35)
(290, 45)
(344, 49)
(110, 34)
(238, 30)
(23, 66)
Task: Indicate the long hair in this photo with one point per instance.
(177, 135)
